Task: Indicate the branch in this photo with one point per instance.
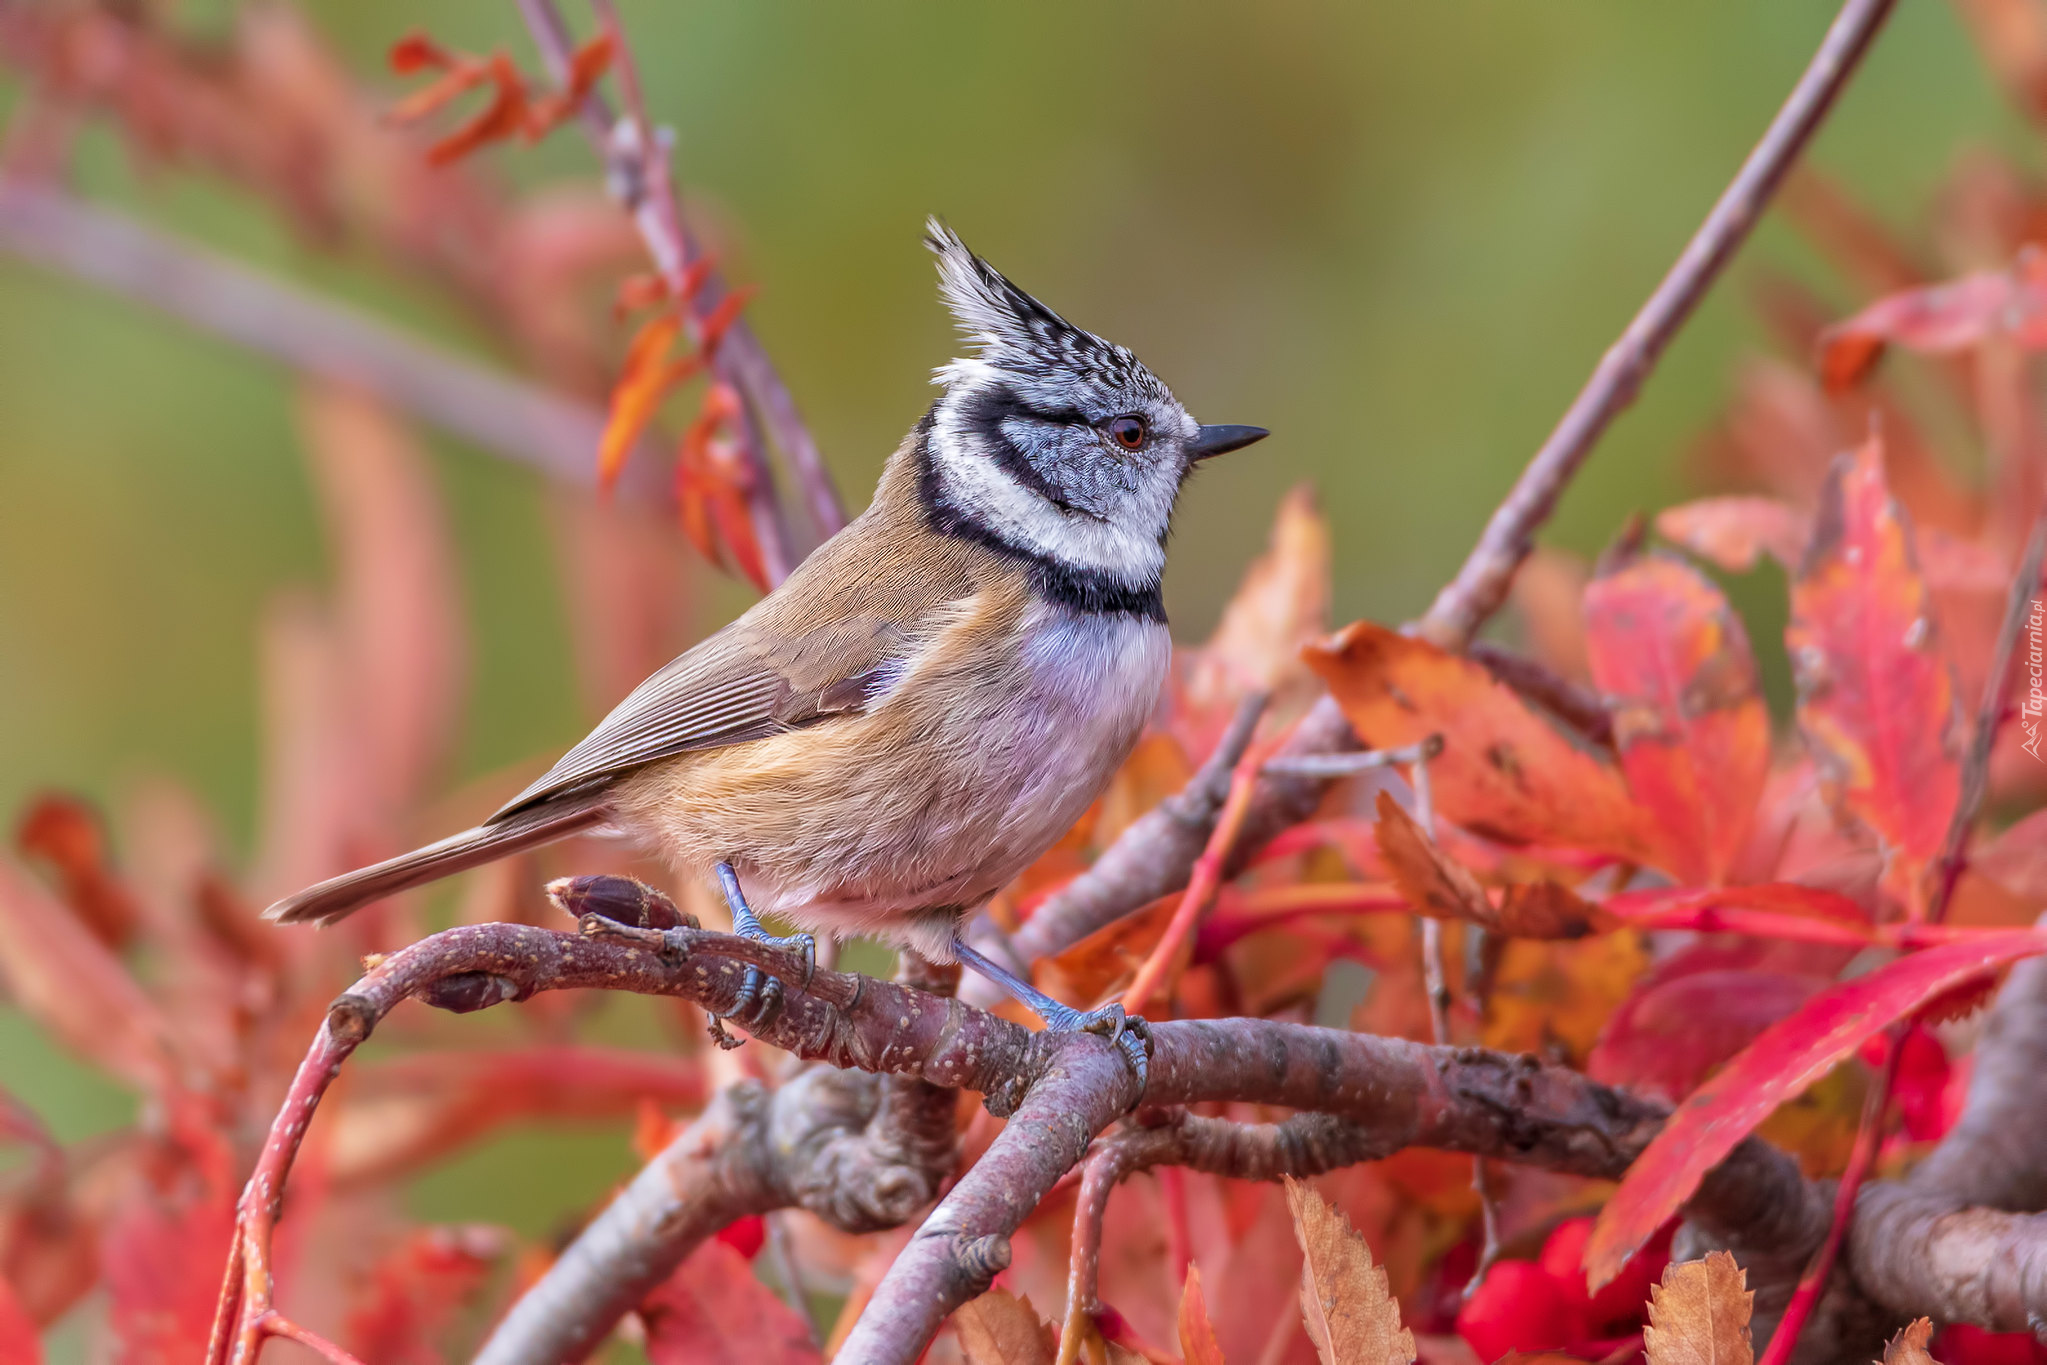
(1481, 584)
(1576, 705)
(862, 1152)
(552, 434)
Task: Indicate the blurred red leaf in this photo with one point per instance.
(70, 983)
(19, 1344)
(1622, 1303)
(1733, 532)
(1783, 1060)
(162, 1251)
(411, 1110)
(587, 66)
(417, 1289)
(416, 52)
(709, 487)
(1197, 1334)
(1783, 909)
(1876, 695)
(1688, 713)
(712, 1311)
(1669, 1034)
(1520, 1306)
(645, 380)
(67, 835)
(1503, 771)
(1941, 318)
(398, 601)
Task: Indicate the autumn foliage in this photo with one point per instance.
(1754, 877)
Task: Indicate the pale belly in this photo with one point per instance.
(897, 824)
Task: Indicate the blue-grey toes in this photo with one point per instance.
(1130, 1032)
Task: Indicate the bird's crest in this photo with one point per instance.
(1011, 330)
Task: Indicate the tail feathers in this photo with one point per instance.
(339, 897)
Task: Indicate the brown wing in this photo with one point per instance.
(730, 689)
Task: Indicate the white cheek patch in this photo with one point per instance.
(1125, 550)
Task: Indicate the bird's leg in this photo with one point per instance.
(756, 989)
(1128, 1031)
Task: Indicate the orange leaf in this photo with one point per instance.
(1908, 1347)
(1941, 318)
(1433, 882)
(1503, 771)
(1351, 1315)
(1197, 1333)
(1281, 604)
(417, 52)
(1733, 532)
(1000, 1329)
(712, 329)
(1876, 695)
(645, 380)
(1688, 713)
(713, 1311)
(1783, 1060)
(1699, 1314)
(507, 115)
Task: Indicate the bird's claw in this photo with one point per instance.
(760, 994)
(1129, 1032)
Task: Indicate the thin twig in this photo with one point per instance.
(318, 336)
(1201, 886)
(1868, 1137)
(1481, 584)
(1334, 766)
(1989, 719)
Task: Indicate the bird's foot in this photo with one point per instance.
(760, 994)
(1129, 1032)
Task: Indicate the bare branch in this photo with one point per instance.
(553, 434)
(1481, 584)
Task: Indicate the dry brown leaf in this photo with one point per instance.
(1433, 882)
(1699, 1314)
(1350, 1313)
(1197, 1333)
(1000, 1329)
(1908, 1347)
(1549, 909)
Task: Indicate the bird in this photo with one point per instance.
(934, 695)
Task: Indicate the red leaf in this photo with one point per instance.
(65, 833)
(1622, 1305)
(1668, 1035)
(1503, 771)
(1733, 532)
(161, 1255)
(1779, 1064)
(642, 384)
(71, 984)
(1688, 713)
(1941, 318)
(1522, 1307)
(417, 52)
(586, 68)
(1807, 914)
(1876, 696)
(1197, 1333)
(712, 1311)
(712, 329)
(416, 1290)
(19, 1344)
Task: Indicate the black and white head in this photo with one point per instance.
(1052, 442)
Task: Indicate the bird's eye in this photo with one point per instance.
(1128, 432)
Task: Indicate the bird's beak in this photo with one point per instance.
(1221, 440)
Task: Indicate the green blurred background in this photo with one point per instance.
(1397, 234)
